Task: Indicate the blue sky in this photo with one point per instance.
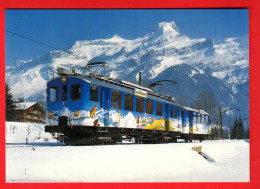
(61, 28)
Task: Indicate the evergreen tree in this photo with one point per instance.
(247, 133)
(234, 129)
(241, 130)
(9, 104)
(238, 130)
(20, 100)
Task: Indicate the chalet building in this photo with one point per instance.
(31, 112)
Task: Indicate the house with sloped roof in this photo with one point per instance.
(31, 112)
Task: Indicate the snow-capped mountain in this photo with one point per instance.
(219, 67)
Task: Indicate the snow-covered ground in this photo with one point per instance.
(41, 161)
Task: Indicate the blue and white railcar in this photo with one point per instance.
(94, 109)
(196, 123)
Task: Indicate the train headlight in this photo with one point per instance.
(63, 79)
(50, 114)
(76, 113)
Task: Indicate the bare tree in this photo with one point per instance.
(207, 102)
(181, 100)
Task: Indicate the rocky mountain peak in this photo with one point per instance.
(167, 27)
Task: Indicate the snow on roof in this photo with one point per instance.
(194, 110)
(24, 105)
(190, 109)
(203, 112)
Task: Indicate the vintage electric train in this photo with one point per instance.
(92, 109)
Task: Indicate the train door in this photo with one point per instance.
(205, 131)
(209, 124)
(185, 121)
(167, 116)
(194, 122)
(104, 104)
(184, 117)
(190, 121)
(179, 116)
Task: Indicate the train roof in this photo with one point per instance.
(190, 109)
(110, 82)
(195, 110)
(130, 85)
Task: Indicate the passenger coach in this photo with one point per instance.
(96, 110)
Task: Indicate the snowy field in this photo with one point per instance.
(44, 160)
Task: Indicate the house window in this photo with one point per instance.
(54, 94)
(149, 106)
(159, 108)
(64, 93)
(94, 93)
(116, 99)
(140, 104)
(128, 102)
(75, 92)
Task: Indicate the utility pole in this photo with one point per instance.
(237, 127)
(210, 117)
(220, 116)
(229, 129)
(217, 130)
(210, 108)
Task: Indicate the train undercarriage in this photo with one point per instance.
(89, 135)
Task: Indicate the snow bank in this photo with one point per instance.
(50, 162)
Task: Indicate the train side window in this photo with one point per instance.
(94, 93)
(128, 102)
(64, 93)
(75, 92)
(171, 111)
(188, 117)
(116, 99)
(54, 94)
(175, 113)
(159, 108)
(198, 121)
(202, 120)
(140, 104)
(101, 99)
(194, 118)
(149, 106)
